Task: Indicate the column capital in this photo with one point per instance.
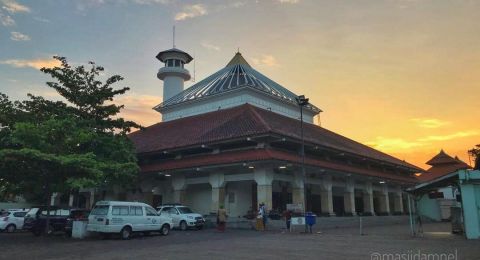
(263, 176)
(217, 180)
(349, 185)
(326, 183)
(178, 182)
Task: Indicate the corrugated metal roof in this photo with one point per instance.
(237, 74)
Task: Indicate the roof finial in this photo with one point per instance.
(238, 49)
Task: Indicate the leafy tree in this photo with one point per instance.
(475, 153)
(55, 146)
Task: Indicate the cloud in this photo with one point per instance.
(147, 2)
(16, 36)
(191, 11)
(429, 122)
(34, 63)
(138, 108)
(456, 135)
(393, 144)
(396, 144)
(209, 46)
(6, 20)
(266, 60)
(288, 1)
(12, 7)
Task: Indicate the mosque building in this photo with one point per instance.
(235, 139)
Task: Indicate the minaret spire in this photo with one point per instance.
(174, 36)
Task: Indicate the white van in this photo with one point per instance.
(124, 217)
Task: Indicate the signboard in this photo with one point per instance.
(296, 208)
(298, 221)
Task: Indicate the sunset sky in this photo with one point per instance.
(402, 76)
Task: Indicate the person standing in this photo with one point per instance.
(288, 218)
(263, 213)
(221, 219)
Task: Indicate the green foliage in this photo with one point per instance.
(475, 153)
(55, 146)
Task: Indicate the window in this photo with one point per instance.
(19, 214)
(120, 210)
(231, 197)
(136, 211)
(177, 63)
(184, 210)
(150, 211)
(100, 210)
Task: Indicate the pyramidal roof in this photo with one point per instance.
(236, 75)
(443, 158)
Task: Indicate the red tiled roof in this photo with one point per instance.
(442, 164)
(263, 155)
(245, 121)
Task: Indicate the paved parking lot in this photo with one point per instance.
(245, 244)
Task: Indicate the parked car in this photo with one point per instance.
(183, 217)
(36, 222)
(12, 220)
(109, 217)
(75, 214)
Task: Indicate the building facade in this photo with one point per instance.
(234, 139)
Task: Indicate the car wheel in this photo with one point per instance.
(183, 225)
(126, 233)
(10, 228)
(165, 230)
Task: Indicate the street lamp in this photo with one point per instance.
(303, 101)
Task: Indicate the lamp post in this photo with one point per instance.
(303, 101)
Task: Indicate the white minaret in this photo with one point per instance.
(173, 74)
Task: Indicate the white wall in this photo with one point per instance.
(199, 198)
(242, 191)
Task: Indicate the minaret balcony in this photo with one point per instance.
(173, 71)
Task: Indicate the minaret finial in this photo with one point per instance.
(174, 36)
(238, 49)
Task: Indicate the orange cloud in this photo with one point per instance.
(430, 122)
(34, 63)
(138, 108)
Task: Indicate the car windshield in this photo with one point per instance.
(184, 210)
(100, 210)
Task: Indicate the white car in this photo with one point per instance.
(12, 220)
(108, 217)
(183, 217)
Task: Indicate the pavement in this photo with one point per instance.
(378, 243)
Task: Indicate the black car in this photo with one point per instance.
(75, 214)
(36, 220)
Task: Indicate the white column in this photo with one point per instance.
(298, 189)
(384, 201)
(55, 199)
(92, 198)
(264, 178)
(179, 186)
(70, 200)
(326, 196)
(349, 197)
(217, 181)
(398, 201)
(368, 209)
